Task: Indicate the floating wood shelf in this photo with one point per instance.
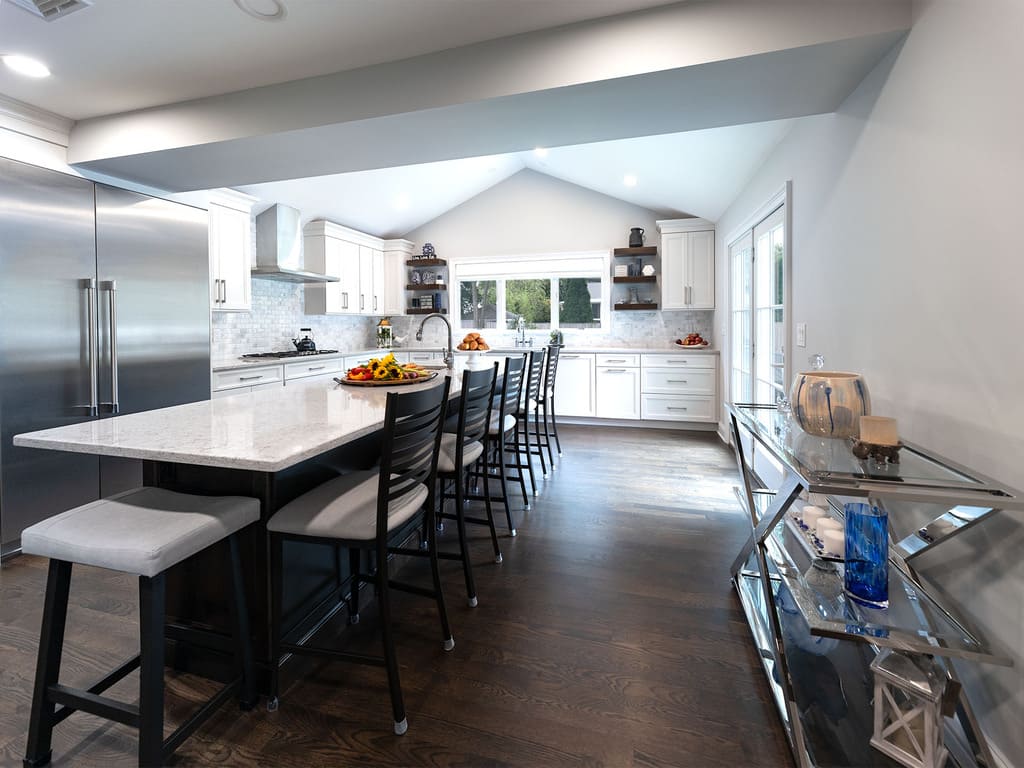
(639, 279)
(634, 306)
(426, 263)
(646, 250)
(415, 311)
(427, 287)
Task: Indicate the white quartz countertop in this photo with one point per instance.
(235, 363)
(266, 431)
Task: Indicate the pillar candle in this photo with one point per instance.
(879, 430)
(834, 542)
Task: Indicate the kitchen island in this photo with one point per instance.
(273, 445)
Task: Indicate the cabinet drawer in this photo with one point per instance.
(677, 407)
(618, 393)
(246, 377)
(312, 368)
(619, 361)
(424, 357)
(671, 360)
(678, 381)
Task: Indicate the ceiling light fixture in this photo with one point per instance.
(264, 10)
(630, 180)
(540, 151)
(25, 65)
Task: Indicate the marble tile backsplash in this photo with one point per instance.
(276, 316)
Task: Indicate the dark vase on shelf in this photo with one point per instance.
(636, 237)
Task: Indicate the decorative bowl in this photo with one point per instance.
(829, 403)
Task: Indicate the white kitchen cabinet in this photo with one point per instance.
(574, 385)
(687, 264)
(313, 367)
(617, 392)
(678, 387)
(230, 242)
(236, 380)
(332, 256)
(395, 254)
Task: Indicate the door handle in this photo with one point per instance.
(223, 291)
(615, 370)
(674, 408)
(344, 299)
(111, 287)
(362, 302)
(676, 381)
(89, 284)
(250, 378)
(316, 367)
(216, 291)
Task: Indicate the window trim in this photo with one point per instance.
(528, 267)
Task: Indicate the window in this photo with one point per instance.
(759, 258)
(547, 291)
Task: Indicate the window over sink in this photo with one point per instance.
(561, 290)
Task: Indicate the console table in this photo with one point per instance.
(815, 644)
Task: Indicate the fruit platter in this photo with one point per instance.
(386, 372)
(692, 340)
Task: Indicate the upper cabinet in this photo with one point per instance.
(230, 255)
(687, 264)
(371, 282)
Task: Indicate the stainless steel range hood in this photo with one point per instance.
(279, 248)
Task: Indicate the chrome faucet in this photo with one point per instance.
(521, 340)
(449, 354)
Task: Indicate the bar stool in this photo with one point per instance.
(460, 450)
(364, 511)
(531, 404)
(547, 400)
(144, 532)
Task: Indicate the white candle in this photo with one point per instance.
(826, 524)
(879, 430)
(834, 542)
(811, 515)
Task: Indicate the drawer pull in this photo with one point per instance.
(615, 370)
(674, 408)
(569, 357)
(615, 361)
(678, 362)
(250, 378)
(316, 367)
(677, 381)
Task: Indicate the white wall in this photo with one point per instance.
(532, 213)
(907, 268)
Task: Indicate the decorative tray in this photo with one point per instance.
(813, 542)
(692, 346)
(387, 382)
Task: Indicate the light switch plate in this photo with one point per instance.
(801, 334)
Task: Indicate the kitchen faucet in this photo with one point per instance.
(521, 333)
(449, 354)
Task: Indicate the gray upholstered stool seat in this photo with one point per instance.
(142, 531)
(345, 508)
(508, 423)
(446, 459)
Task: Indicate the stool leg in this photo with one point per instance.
(151, 670)
(504, 483)
(487, 506)
(540, 446)
(547, 436)
(460, 521)
(276, 598)
(554, 425)
(240, 626)
(51, 646)
(390, 659)
(435, 573)
(353, 569)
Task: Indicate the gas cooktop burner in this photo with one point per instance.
(291, 353)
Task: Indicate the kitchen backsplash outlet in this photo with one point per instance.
(276, 316)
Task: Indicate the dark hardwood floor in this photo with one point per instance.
(610, 636)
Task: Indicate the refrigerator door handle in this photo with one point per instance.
(89, 285)
(111, 286)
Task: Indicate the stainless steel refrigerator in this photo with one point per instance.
(104, 310)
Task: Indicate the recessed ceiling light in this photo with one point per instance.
(24, 65)
(629, 180)
(540, 151)
(264, 10)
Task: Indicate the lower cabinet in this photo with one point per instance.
(313, 367)
(678, 387)
(574, 385)
(239, 380)
(618, 393)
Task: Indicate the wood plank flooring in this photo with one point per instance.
(610, 636)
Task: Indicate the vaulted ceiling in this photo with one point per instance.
(382, 115)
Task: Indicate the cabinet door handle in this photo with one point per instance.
(676, 381)
(374, 303)
(615, 370)
(223, 291)
(674, 408)
(344, 299)
(250, 378)
(362, 302)
(570, 357)
(615, 361)
(678, 362)
(316, 367)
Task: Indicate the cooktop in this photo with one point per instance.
(290, 353)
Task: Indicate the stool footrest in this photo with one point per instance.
(101, 706)
(101, 685)
(330, 653)
(200, 716)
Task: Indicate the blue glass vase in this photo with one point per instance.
(867, 554)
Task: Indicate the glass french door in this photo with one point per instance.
(758, 263)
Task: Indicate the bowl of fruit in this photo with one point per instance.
(384, 372)
(692, 340)
(473, 344)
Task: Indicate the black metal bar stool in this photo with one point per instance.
(460, 450)
(144, 532)
(364, 511)
(530, 405)
(547, 401)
